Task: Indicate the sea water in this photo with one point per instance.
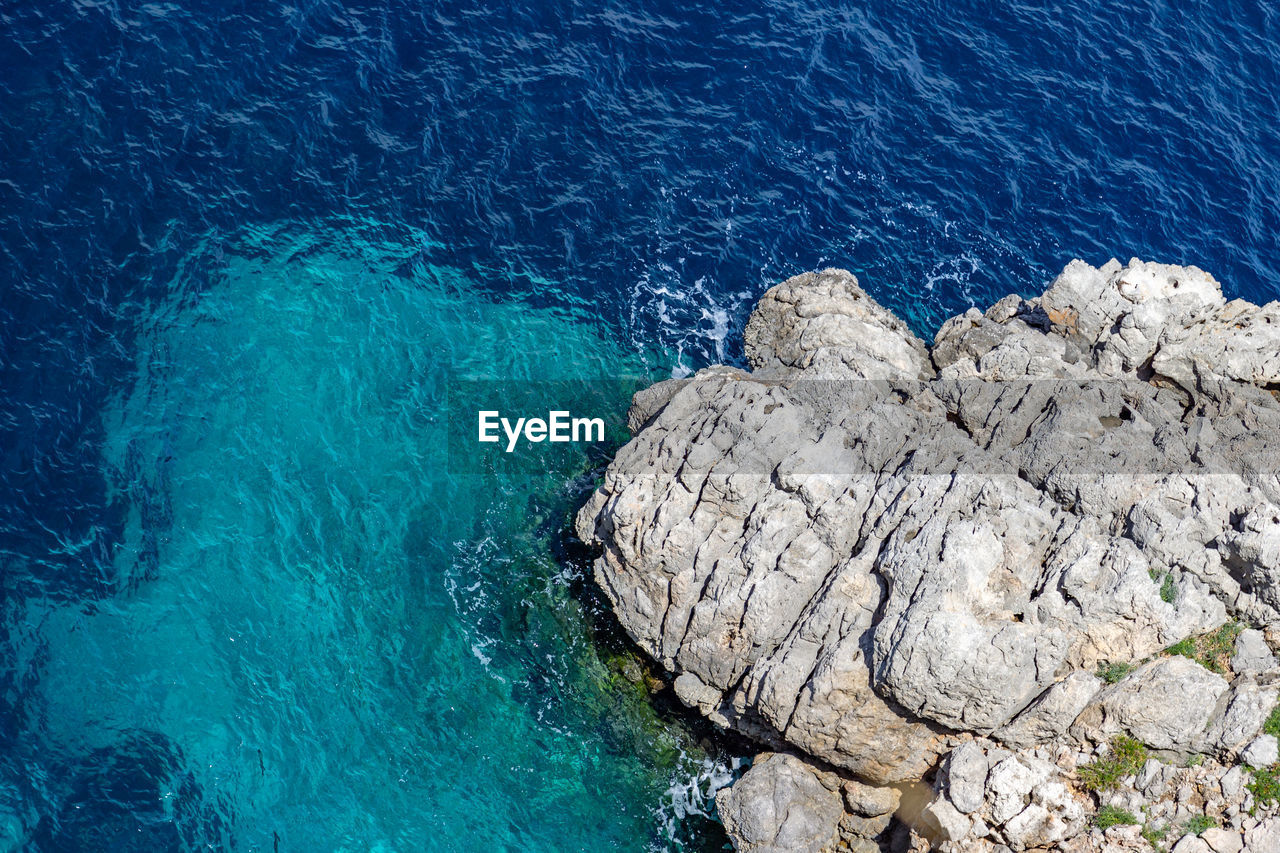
(323, 635)
(256, 259)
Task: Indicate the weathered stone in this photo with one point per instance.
(948, 823)
(694, 693)
(858, 844)
(780, 806)
(1034, 826)
(1252, 653)
(966, 776)
(1247, 707)
(1052, 713)
(868, 800)
(1263, 837)
(1233, 782)
(1150, 779)
(1191, 844)
(1261, 752)
(1009, 785)
(854, 826)
(1222, 840)
(1166, 703)
(826, 323)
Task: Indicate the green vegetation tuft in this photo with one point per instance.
(1265, 787)
(1213, 650)
(1113, 672)
(1218, 646)
(1109, 816)
(1126, 757)
(1155, 835)
(1168, 589)
(1199, 824)
(1272, 725)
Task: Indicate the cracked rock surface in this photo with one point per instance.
(870, 552)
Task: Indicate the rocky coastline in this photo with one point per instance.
(1016, 590)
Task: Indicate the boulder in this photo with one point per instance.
(1166, 704)
(1261, 752)
(1252, 655)
(780, 806)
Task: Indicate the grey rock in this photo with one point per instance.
(869, 800)
(1233, 782)
(693, 692)
(857, 827)
(1052, 712)
(1166, 704)
(1191, 844)
(1150, 779)
(1222, 840)
(966, 777)
(1263, 837)
(858, 844)
(946, 821)
(1252, 550)
(780, 806)
(1009, 786)
(1261, 752)
(1034, 826)
(647, 402)
(1253, 655)
(1130, 801)
(826, 323)
(1245, 711)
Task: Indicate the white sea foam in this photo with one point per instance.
(693, 321)
(693, 789)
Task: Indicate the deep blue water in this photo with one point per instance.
(245, 249)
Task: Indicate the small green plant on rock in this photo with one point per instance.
(1126, 757)
(1218, 646)
(1168, 589)
(1213, 650)
(1109, 816)
(1265, 787)
(1199, 824)
(1155, 835)
(1272, 725)
(1113, 672)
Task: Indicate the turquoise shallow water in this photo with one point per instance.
(327, 637)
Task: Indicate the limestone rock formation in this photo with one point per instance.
(781, 806)
(870, 552)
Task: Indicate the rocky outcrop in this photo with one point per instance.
(870, 552)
